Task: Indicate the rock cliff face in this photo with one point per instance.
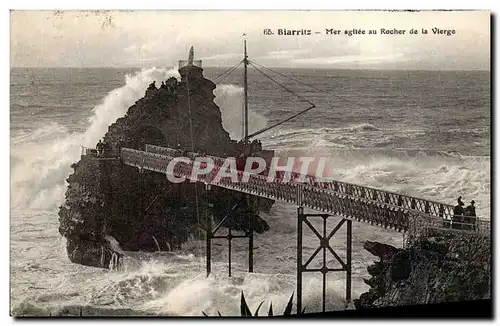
(443, 267)
(144, 211)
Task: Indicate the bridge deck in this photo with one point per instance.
(377, 207)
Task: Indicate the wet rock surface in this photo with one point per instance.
(442, 267)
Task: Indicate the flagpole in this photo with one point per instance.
(245, 117)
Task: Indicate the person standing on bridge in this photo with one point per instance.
(458, 213)
(470, 216)
(100, 148)
(471, 209)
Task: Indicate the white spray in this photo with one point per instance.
(230, 100)
(41, 161)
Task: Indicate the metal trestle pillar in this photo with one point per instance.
(211, 234)
(324, 247)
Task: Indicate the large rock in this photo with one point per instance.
(440, 267)
(144, 211)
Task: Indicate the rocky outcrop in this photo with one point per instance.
(441, 267)
(143, 211)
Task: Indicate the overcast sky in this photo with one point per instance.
(161, 38)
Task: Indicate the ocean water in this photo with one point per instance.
(420, 133)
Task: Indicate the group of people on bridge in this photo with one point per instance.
(247, 150)
(102, 148)
(464, 218)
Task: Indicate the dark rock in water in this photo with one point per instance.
(144, 211)
(384, 251)
(237, 213)
(440, 268)
(85, 252)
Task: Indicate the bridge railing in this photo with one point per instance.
(428, 207)
(362, 203)
(93, 152)
(87, 151)
(305, 195)
(184, 63)
(172, 152)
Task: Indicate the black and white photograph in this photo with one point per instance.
(244, 163)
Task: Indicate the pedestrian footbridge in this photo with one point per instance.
(374, 206)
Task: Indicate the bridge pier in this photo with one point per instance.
(141, 191)
(208, 218)
(211, 234)
(250, 239)
(324, 246)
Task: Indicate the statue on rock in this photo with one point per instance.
(191, 56)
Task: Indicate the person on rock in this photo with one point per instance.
(152, 85)
(171, 83)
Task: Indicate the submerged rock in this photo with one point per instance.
(144, 211)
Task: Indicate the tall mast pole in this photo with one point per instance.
(245, 117)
